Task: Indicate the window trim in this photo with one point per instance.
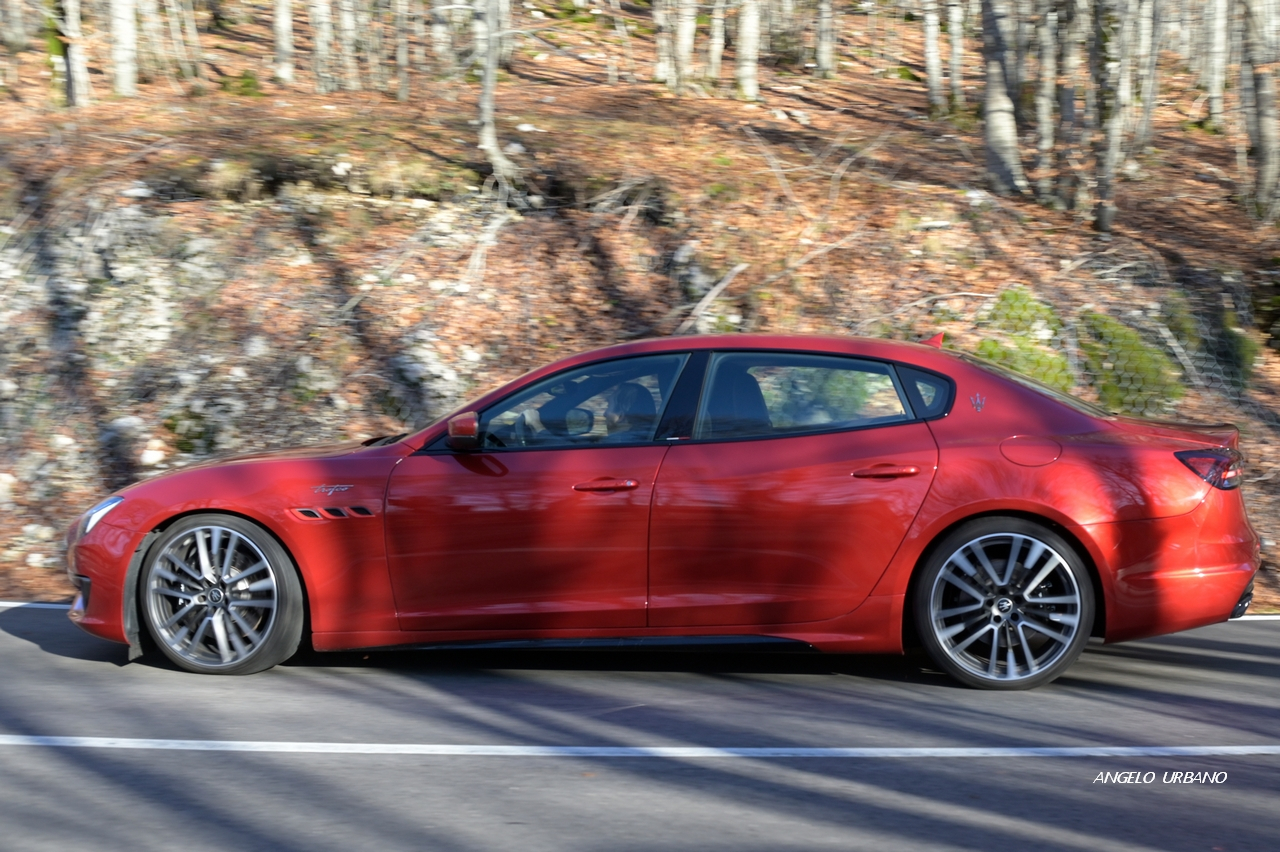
(907, 399)
(440, 447)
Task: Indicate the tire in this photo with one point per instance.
(219, 595)
(1004, 603)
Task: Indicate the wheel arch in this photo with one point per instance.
(910, 636)
(140, 639)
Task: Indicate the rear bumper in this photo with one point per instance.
(1172, 574)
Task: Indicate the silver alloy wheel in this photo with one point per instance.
(211, 596)
(1005, 607)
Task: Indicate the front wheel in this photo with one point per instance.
(221, 596)
(1004, 603)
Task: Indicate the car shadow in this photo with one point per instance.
(52, 632)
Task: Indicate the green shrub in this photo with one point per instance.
(1128, 374)
(1024, 356)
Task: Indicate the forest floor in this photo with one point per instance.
(854, 210)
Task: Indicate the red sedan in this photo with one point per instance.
(844, 494)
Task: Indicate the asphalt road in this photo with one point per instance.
(1219, 686)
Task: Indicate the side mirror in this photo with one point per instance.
(464, 431)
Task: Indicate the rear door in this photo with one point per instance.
(786, 502)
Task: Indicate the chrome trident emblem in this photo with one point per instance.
(978, 401)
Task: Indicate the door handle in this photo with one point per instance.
(607, 485)
(887, 471)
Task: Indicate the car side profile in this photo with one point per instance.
(848, 495)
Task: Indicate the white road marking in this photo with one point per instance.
(630, 751)
(16, 604)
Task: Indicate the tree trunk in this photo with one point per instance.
(503, 169)
(15, 25)
(955, 35)
(715, 43)
(153, 59)
(1047, 39)
(401, 24)
(664, 70)
(1262, 52)
(1151, 36)
(748, 49)
(370, 20)
(418, 13)
(347, 45)
(322, 52)
(1000, 130)
(442, 37)
(480, 33)
(933, 58)
(686, 26)
(173, 12)
(624, 37)
(124, 48)
(1110, 55)
(1016, 72)
(1216, 65)
(79, 92)
(825, 52)
(192, 37)
(1072, 33)
(506, 38)
(282, 24)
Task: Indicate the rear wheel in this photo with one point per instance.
(1004, 603)
(221, 596)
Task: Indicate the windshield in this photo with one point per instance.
(1027, 382)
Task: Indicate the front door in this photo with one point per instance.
(800, 482)
(547, 525)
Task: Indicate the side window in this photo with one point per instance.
(929, 393)
(753, 394)
(612, 402)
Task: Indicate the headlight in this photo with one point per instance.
(97, 513)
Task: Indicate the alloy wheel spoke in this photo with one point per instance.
(183, 566)
(233, 540)
(959, 610)
(1054, 601)
(247, 572)
(981, 552)
(1026, 650)
(1046, 630)
(248, 631)
(252, 603)
(220, 636)
(1045, 570)
(977, 634)
(179, 615)
(960, 584)
(202, 550)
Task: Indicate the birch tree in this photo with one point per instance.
(1000, 130)
(664, 70)
(715, 43)
(503, 169)
(441, 37)
(1150, 35)
(124, 47)
(933, 58)
(1073, 33)
(402, 49)
(748, 50)
(15, 25)
(282, 25)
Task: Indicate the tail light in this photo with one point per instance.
(1220, 467)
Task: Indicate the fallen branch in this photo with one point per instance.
(715, 291)
(777, 172)
(926, 300)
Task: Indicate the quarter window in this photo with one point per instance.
(755, 394)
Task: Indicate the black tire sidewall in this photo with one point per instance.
(977, 528)
(286, 628)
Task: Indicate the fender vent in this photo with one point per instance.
(335, 512)
(320, 514)
(361, 510)
(308, 513)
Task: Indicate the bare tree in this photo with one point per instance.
(15, 25)
(282, 24)
(620, 28)
(176, 17)
(402, 49)
(748, 50)
(686, 26)
(664, 70)
(67, 18)
(1047, 40)
(322, 51)
(955, 35)
(442, 36)
(825, 58)
(347, 45)
(124, 47)
(504, 170)
(1110, 54)
(1150, 35)
(1216, 60)
(1000, 130)
(1073, 34)
(933, 58)
(1262, 53)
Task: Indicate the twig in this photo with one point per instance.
(917, 303)
(709, 298)
(818, 252)
(777, 172)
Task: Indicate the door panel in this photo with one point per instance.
(521, 539)
(783, 530)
